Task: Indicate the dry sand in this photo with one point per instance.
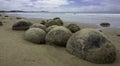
(15, 51)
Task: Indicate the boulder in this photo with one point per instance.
(18, 18)
(37, 25)
(43, 22)
(6, 16)
(51, 27)
(105, 24)
(51, 22)
(91, 45)
(73, 27)
(35, 35)
(21, 25)
(58, 36)
(1, 23)
(56, 18)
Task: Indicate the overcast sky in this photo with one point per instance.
(61, 5)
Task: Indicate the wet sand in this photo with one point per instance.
(15, 51)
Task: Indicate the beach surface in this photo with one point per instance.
(15, 51)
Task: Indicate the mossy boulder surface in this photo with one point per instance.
(58, 36)
(51, 22)
(91, 45)
(37, 25)
(73, 27)
(35, 35)
(21, 25)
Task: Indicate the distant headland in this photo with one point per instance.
(22, 11)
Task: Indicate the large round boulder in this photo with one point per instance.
(73, 27)
(21, 25)
(35, 35)
(58, 36)
(51, 22)
(91, 45)
(37, 25)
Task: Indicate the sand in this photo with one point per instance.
(15, 51)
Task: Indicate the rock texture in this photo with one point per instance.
(58, 36)
(21, 25)
(73, 27)
(35, 35)
(37, 25)
(55, 21)
(91, 45)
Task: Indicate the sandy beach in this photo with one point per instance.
(15, 51)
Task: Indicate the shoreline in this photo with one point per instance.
(15, 51)
(76, 18)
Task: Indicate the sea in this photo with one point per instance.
(76, 17)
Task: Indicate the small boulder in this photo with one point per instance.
(58, 36)
(37, 25)
(105, 24)
(35, 35)
(56, 18)
(21, 25)
(43, 22)
(51, 27)
(18, 18)
(73, 27)
(1, 23)
(92, 45)
(51, 22)
(6, 16)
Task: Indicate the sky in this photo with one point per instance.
(62, 5)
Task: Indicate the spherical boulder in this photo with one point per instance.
(37, 25)
(91, 45)
(21, 25)
(51, 22)
(58, 36)
(35, 35)
(51, 27)
(73, 27)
